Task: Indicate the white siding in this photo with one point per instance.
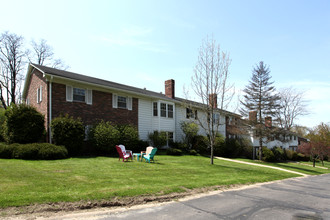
(275, 143)
(144, 116)
(181, 116)
(149, 123)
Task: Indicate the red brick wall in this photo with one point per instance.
(170, 88)
(101, 109)
(36, 81)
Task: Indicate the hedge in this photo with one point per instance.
(34, 151)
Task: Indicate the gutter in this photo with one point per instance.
(50, 109)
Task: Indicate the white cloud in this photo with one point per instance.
(133, 36)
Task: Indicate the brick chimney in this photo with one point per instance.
(169, 88)
(253, 116)
(268, 122)
(213, 100)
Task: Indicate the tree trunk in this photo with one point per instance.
(260, 148)
(211, 153)
(314, 162)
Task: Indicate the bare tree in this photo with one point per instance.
(43, 54)
(12, 64)
(209, 82)
(302, 131)
(293, 105)
(260, 102)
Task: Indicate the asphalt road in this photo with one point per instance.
(296, 198)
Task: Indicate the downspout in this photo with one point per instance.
(50, 109)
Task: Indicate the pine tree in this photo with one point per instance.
(259, 102)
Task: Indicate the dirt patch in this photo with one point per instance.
(49, 209)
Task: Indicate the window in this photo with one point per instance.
(162, 109)
(122, 102)
(166, 110)
(216, 118)
(170, 111)
(39, 94)
(191, 113)
(78, 95)
(295, 138)
(155, 108)
(27, 101)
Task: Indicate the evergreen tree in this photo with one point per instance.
(259, 102)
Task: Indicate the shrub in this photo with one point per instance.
(200, 144)
(220, 146)
(302, 157)
(234, 147)
(278, 154)
(34, 151)
(51, 152)
(68, 132)
(193, 152)
(106, 137)
(190, 129)
(247, 151)
(23, 124)
(129, 137)
(2, 121)
(268, 155)
(291, 155)
(157, 139)
(174, 152)
(5, 151)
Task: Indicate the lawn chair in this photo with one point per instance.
(125, 154)
(148, 150)
(150, 156)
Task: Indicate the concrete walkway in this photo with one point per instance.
(261, 165)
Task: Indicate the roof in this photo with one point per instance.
(201, 105)
(79, 77)
(87, 79)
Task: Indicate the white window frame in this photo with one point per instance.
(162, 110)
(168, 111)
(39, 94)
(88, 95)
(155, 110)
(129, 102)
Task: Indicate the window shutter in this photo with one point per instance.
(40, 98)
(38, 93)
(129, 103)
(89, 97)
(69, 93)
(114, 101)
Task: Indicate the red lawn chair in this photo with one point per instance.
(125, 154)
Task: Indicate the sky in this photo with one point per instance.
(142, 43)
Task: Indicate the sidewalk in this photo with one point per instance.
(261, 165)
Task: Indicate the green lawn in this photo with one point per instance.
(27, 182)
(298, 167)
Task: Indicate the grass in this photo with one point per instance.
(26, 182)
(298, 167)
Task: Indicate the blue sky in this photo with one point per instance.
(143, 43)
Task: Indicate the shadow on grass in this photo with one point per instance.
(299, 169)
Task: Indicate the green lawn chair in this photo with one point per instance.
(150, 156)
